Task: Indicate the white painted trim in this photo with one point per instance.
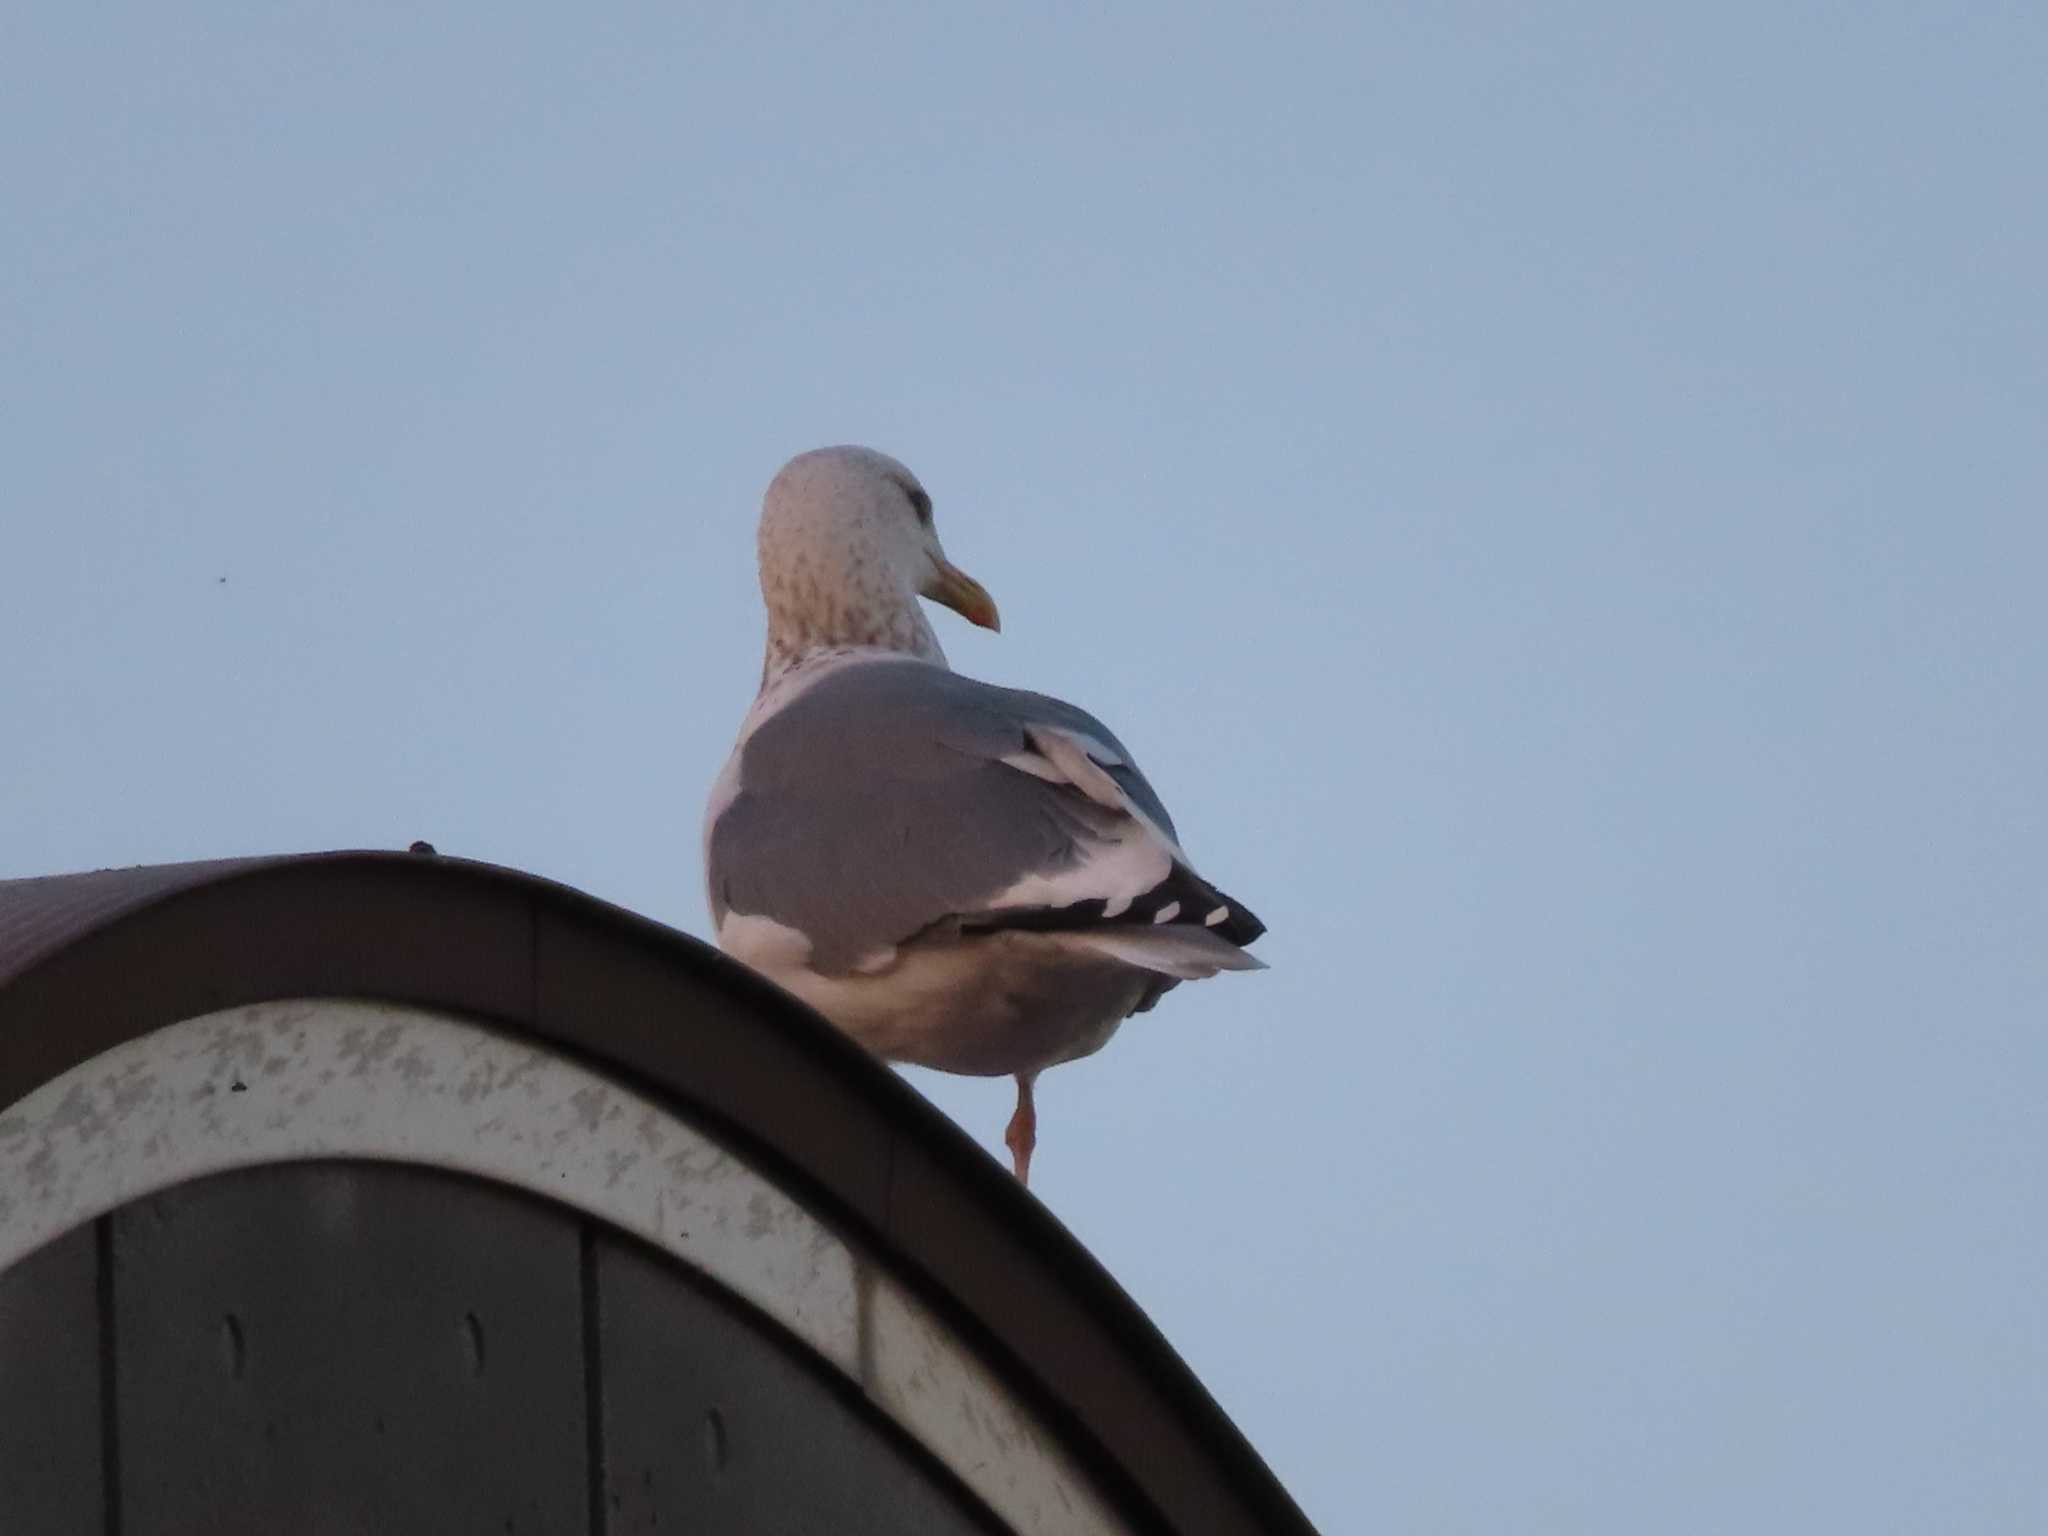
(329, 1078)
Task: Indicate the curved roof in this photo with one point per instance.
(119, 953)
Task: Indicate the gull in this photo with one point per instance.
(967, 877)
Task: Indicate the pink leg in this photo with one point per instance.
(1022, 1135)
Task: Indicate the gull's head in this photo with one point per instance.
(847, 547)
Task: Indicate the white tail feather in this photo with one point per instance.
(1175, 949)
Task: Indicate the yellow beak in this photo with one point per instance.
(965, 596)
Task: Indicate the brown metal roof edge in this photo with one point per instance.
(118, 953)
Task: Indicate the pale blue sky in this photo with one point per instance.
(1554, 496)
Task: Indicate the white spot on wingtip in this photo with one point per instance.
(1167, 913)
(1216, 917)
(1116, 907)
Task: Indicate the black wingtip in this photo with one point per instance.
(1182, 897)
(1242, 926)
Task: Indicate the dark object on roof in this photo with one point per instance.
(421, 1343)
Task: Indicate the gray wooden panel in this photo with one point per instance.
(715, 1425)
(50, 1391)
(333, 1347)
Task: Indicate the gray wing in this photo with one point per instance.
(876, 804)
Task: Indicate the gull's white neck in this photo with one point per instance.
(801, 644)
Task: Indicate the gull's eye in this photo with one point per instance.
(921, 504)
